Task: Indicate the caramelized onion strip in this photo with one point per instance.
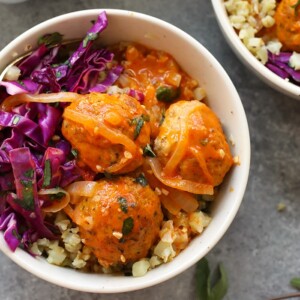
(56, 205)
(18, 99)
(99, 128)
(177, 183)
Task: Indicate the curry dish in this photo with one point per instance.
(110, 159)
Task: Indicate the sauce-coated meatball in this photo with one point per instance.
(108, 131)
(287, 20)
(191, 144)
(120, 222)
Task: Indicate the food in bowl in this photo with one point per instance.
(109, 155)
(269, 30)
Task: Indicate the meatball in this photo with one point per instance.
(120, 222)
(109, 132)
(191, 144)
(288, 24)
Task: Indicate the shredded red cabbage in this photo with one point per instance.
(33, 153)
(8, 224)
(279, 64)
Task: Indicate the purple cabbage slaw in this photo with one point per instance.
(279, 64)
(33, 153)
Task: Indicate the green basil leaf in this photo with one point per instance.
(50, 39)
(205, 289)
(203, 279)
(295, 283)
(219, 290)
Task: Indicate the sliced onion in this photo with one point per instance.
(202, 163)
(113, 136)
(182, 143)
(56, 205)
(180, 184)
(18, 99)
(80, 189)
(185, 200)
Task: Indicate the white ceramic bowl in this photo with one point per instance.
(247, 58)
(222, 97)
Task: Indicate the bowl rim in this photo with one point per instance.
(142, 282)
(248, 58)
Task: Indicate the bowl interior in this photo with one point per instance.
(248, 59)
(221, 96)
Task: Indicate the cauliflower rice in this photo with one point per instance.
(250, 17)
(70, 251)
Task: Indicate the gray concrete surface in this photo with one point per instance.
(261, 249)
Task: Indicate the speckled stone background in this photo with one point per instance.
(261, 249)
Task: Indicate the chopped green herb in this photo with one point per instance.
(167, 93)
(57, 74)
(163, 116)
(29, 173)
(21, 82)
(295, 7)
(147, 151)
(204, 286)
(138, 127)
(47, 173)
(50, 39)
(57, 196)
(139, 122)
(123, 204)
(295, 283)
(127, 226)
(16, 120)
(141, 180)
(74, 152)
(27, 194)
(91, 36)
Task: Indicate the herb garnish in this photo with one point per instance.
(27, 193)
(47, 173)
(57, 196)
(163, 116)
(29, 173)
(16, 120)
(147, 151)
(50, 39)
(166, 93)
(295, 7)
(204, 286)
(127, 226)
(139, 122)
(295, 282)
(74, 152)
(123, 204)
(91, 36)
(141, 180)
